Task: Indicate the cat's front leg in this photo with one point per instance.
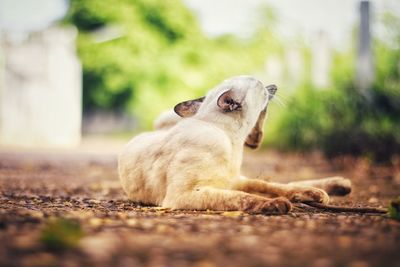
(334, 186)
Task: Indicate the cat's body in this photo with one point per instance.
(198, 161)
(194, 163)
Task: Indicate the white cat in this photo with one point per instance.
(194, 162)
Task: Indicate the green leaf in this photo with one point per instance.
(394, 209)
(61, 234)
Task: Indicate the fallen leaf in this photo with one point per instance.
(232, 214)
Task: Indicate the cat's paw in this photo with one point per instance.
(308, 194)
(280, 205)
(338, 186)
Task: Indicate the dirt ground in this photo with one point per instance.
(36, 189)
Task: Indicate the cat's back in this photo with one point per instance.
(136, 167)
(140, 147)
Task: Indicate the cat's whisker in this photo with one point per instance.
(283, 96)
(279, 101)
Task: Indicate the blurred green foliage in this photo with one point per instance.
(340, 120)
(161, 56)
(60, 234)
(394, 209)
(144, 56)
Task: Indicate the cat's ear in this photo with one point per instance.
(188, 108)
(271, 91)
(230, 101)
(255, 137)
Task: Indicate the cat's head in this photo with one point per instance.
(243, 98)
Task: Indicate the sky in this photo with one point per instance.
(295, 18)
(30, 15)
(305, 18)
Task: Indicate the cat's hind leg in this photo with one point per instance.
(203, 198)
(295, 193)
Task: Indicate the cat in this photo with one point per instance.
(194, 162)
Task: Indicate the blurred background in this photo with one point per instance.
(88, 67)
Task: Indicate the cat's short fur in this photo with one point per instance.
(194, 163)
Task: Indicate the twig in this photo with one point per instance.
(346, 209)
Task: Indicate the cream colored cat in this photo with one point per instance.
(194, 163)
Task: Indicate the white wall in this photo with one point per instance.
(40, 91)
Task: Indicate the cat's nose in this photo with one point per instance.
(271, 90)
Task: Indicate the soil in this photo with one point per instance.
(37, 189)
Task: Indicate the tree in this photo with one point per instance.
(158, 55)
